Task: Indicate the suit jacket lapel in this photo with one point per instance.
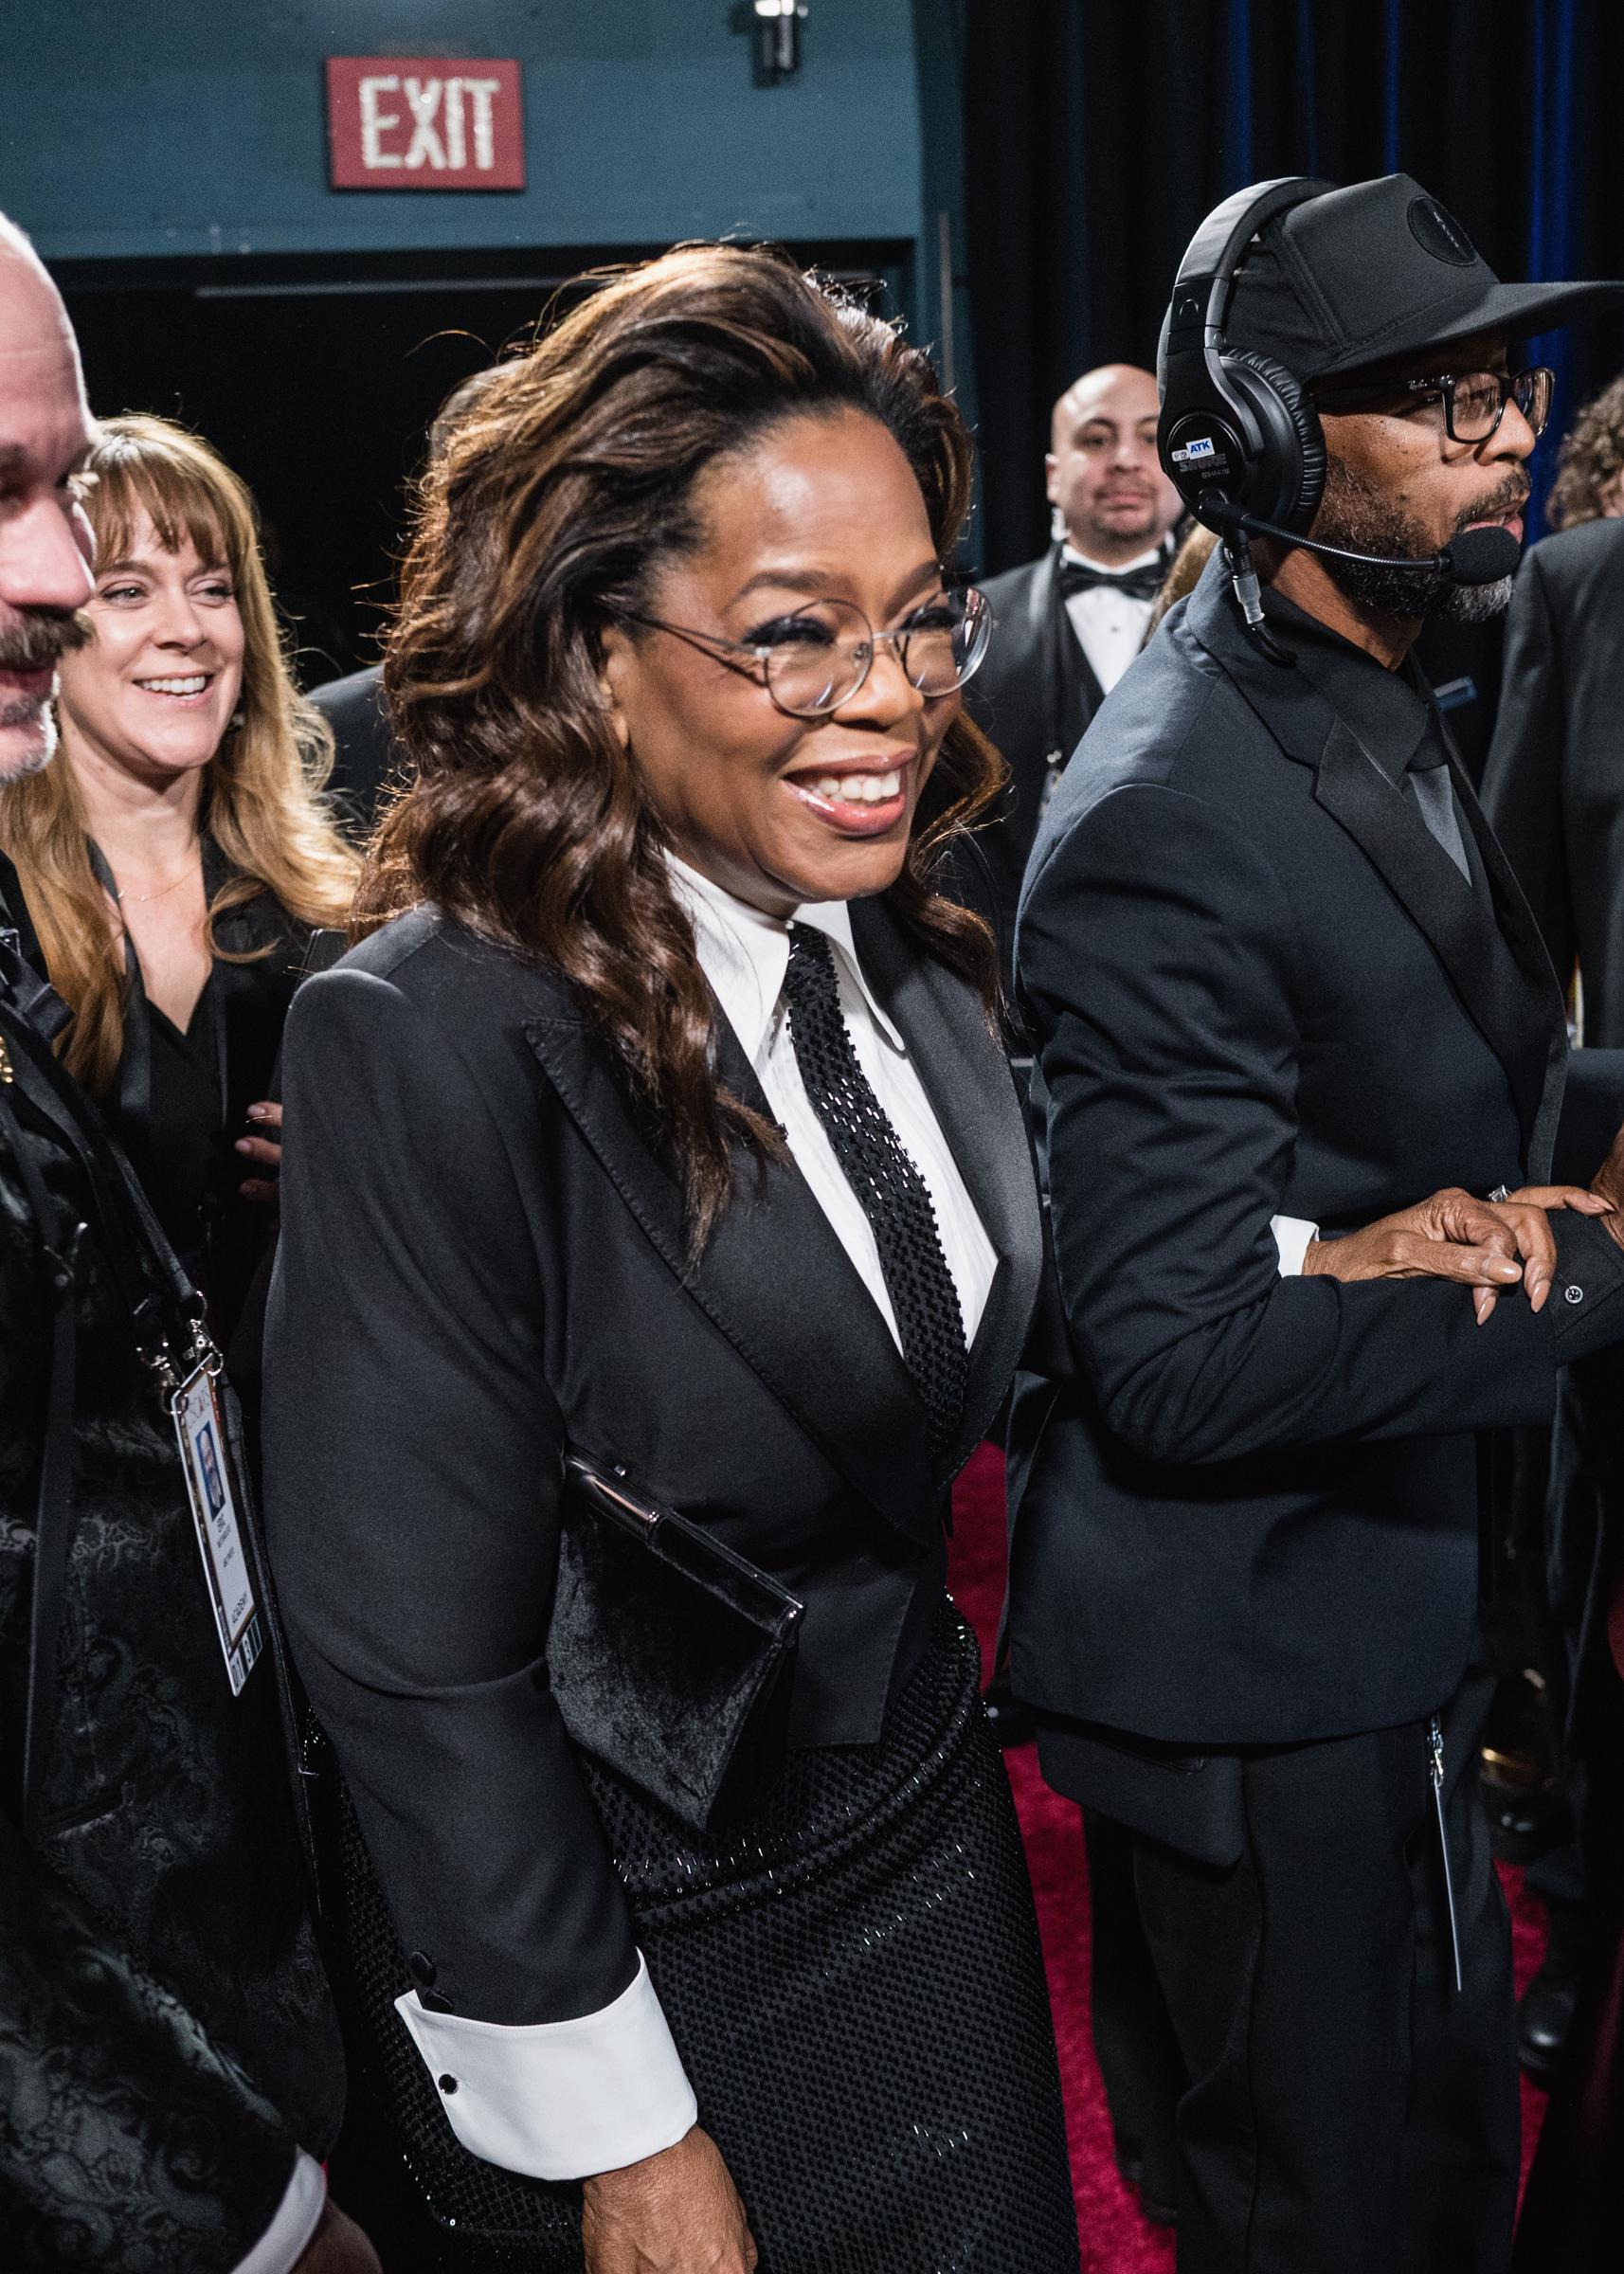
(1521, 944)
(1518, 1013)
(968, 1079)
(1485, 942)
(1074, 693)
(774, 1280)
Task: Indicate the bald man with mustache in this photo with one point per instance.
(1069, 623)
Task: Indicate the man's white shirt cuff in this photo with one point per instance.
(286, 2239)
(560, 2099)
(1292, 1237)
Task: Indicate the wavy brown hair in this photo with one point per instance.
(265, 809)
(1590, 462)
(556, 502)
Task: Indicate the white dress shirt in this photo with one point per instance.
(1292, 1235)
(745, 954)
(1109, 627)
(562, 2099)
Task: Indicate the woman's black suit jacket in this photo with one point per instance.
(482, 1263)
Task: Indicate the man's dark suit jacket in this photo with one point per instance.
(367, 757)
(1259, 987)
(1554, 788)
(482, 1263)
(1034, 696)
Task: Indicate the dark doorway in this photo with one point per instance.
(317, 379)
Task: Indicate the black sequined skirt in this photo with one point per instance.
(854, 1980)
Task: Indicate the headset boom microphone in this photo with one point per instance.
(1478, 556)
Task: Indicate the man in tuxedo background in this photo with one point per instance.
(1281, 983)
(1069, 624)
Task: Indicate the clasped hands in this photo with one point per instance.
(1490, 1246)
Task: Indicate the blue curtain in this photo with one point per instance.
(1552, 246)
(1097, 136)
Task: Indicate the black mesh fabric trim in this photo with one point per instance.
(853, 1979)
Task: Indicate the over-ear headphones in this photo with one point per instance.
(1237, 428)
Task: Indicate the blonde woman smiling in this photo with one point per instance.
(175, 865)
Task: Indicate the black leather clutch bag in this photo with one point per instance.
(672, 1658)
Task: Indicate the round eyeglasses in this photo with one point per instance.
(1474, 402)
(812, 659)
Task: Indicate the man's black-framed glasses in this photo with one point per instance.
(814, 658)
(1474, 402)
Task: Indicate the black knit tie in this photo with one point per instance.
(890, 1189)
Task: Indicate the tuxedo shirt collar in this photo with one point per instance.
(1141, 560)
(744, 953)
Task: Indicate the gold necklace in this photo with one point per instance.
(140, 899)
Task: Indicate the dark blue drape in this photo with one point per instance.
(1097, 136)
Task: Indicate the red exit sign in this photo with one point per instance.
(400, 122)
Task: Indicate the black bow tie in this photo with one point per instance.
(1135, 583)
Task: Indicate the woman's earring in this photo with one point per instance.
(238, 716)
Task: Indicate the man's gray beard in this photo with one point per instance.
(35, 761)
(1411, 592)
(1360, 516)
(1473, 603)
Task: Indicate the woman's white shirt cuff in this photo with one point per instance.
(560, 2099)
(286, 2239)
(1292, 1235)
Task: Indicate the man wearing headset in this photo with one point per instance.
(1281, 983)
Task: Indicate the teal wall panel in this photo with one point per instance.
(134, 128)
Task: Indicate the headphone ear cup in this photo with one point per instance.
(1291, 478)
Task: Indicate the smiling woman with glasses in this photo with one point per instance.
(661, 1125)
(816, 658)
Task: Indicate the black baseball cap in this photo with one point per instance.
(1380, 269)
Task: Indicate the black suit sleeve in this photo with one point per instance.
(413, 1466)
(1593, 1109)
(1586, 1302)
(366, 756)
(1157, 950)
(1522, 782)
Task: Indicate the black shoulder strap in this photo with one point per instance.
(167, 1313)
(165, 1310)
(60, 1246)
(151, 1279)
(21, 980)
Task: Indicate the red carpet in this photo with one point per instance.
(1116, 2239)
